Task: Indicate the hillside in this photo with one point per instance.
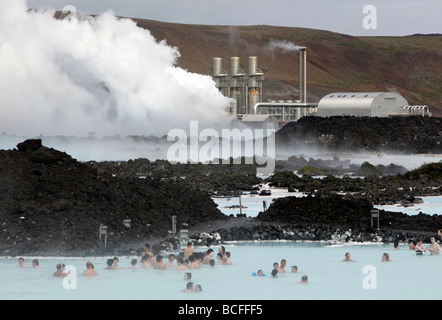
(409, 65)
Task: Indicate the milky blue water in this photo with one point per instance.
(406, 277)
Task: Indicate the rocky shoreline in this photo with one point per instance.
(51, 204)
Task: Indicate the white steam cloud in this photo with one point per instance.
(103, 75)
(284, 45)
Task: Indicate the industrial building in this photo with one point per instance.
(246, 90)
(362, 104)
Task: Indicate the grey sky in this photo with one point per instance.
(394, 17)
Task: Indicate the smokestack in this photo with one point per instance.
(303, 74)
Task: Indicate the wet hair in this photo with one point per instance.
(304, 278)
(189, 244)
(58, 266)
(223, 249)
(189, 275)
(192, 258)
(159, 257)
(133, 262)
(209, 251)
(35, 261)
(274, 272)
(110, 262)
(189, 285)
(171, 255)
(228, 254)
(198, 286)
(219, 255)
(180, 260)
(212, 262)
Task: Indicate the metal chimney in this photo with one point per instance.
(303, 75)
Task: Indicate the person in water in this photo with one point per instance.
(274, 273)
(227, 260)
(385, 257)
(189, 287)
(60, 271)
(35, 264)
(116, 263)
(110, 264)
(282, 266)
(169, 263)
(194, 263)
(21, 263)
(294, 269)
(188, 276)
(208, 256)
(90, 271)
(434, 248)
(133, 264)
(198, 288)
(188, 251)
(180, 264)
(159, 265)
(347, 258)
(304, 280)
(147, 250)
(145, 261)
(419, 248)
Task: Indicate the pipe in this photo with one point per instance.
(303, 74)
(289, 105)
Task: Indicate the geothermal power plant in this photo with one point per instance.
(248, 107)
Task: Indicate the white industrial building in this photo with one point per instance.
(367, 104)
(246, 90)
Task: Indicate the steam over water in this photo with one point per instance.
(103, 75)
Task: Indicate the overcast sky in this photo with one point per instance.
(393, 17)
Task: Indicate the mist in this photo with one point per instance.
(283, 45)
(101, 75)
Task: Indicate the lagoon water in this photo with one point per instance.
(406, 277)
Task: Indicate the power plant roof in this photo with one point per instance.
(368, 104)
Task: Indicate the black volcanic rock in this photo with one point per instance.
(51, 203)
(334, 210)
(414, 134)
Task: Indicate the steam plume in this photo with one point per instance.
(102, 75)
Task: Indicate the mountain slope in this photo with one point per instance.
(336, 62)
